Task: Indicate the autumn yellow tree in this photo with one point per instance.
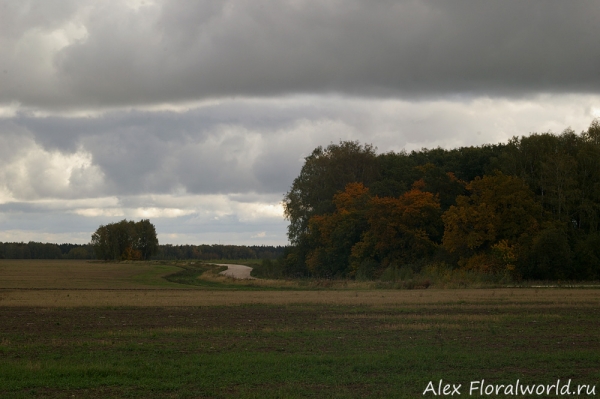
(489, 228)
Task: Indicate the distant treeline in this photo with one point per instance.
(529, 209)
(38, 250)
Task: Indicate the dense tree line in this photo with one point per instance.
(529, 208)
(38, 250)
(211, 252)
(30, 250)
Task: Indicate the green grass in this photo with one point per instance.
(295, 351)
(388, 349)
(157, 276)
(191, 271)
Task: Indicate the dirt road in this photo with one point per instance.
(237, 271)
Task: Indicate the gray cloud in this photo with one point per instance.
(212, 150)
(25, 225)
(198, 114)
(216, 173)
(112, 55)
(247, 146)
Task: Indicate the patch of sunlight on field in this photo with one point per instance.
(82, 274)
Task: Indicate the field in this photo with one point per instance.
(78, 329)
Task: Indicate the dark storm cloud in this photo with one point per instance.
(175, 51)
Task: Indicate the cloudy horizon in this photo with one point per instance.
(198, 115)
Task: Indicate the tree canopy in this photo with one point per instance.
(529, 208)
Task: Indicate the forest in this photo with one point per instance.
(527, 209)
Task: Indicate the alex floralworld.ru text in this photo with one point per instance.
(480, 388)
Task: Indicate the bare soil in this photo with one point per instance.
(505, 297)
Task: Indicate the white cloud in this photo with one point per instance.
(44, 236)
(95, 212)
(38, 173)
(248, 212)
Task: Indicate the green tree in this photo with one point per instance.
(586, 216)
(147, 242)
(101, 244)
(325, 172)
(550, 256)
(444, 185)
(587, 255)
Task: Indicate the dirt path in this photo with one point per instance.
(237, 271)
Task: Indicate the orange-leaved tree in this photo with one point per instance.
(399, 229)
(332, 236)
(376, 230)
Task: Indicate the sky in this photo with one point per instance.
(198, 115)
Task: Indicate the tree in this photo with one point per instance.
(125, 240)
(445, 185)
(147, 242)
(550, 256)
(325, 172)
(332, 236)
(399, 229)
(374, 231)
(588, 257)
(499, 215)
(587, 213)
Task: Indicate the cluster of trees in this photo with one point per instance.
(125, 240)
(529, 208)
